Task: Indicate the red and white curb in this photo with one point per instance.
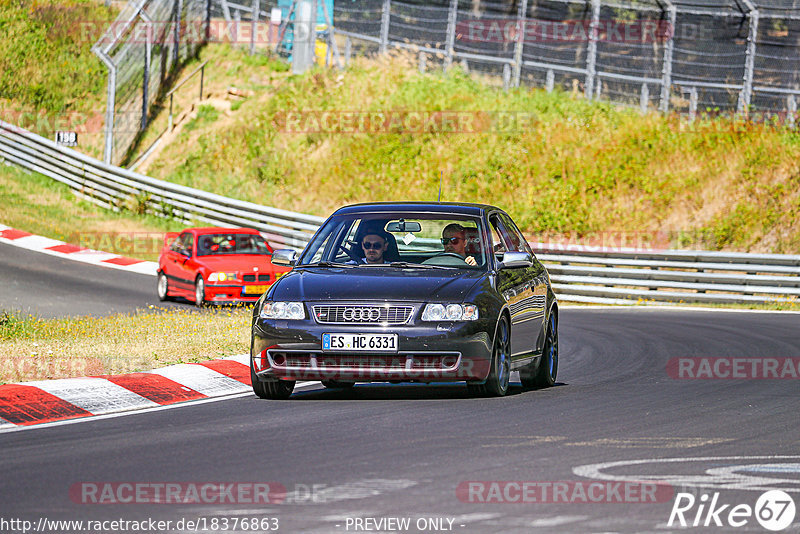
(45, 401)
(28, 241)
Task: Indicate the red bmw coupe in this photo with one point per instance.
(214, 265)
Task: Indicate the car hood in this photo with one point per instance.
(376, 283)
(237, 262)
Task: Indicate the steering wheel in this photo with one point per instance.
(350, 252)
(448, 257)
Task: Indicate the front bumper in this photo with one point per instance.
(241, 292)
(427, 352)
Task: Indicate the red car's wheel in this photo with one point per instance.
(162, 287)
(200, 291)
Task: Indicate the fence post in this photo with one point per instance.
(177, 33)
(692, 104)
(791, 107)
(348, 48)
(749, 64)
(422, 62)
(506, 77)
(111, 96)
(666, 67)
(208, 19)
(550, 81)
(450, 40)
(591, 54)
(522, 14)
(387, 8)
(644, 98)
(254, 25)
(148, 48)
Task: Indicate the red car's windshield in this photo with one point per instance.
(226, 244)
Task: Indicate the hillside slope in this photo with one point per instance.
(559, 164)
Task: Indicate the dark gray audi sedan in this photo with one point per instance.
(408, 292)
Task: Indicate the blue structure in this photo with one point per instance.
(288, 38)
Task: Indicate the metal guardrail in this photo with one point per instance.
(627, 276)
(578, 274)
(111, 186)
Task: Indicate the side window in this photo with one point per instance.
(183, 244)
(502, 239)
(520, 243)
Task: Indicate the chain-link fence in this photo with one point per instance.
(689, 56)
(140, 50)
(686, 55)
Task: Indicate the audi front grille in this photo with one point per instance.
(392, 315)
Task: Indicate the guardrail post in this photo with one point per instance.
(692, 104)
(387, 8)
(666, 66)
(254, 25)
(348, 48)
(450, 40)
(202, 75)
(465, 66)
(506, 77)
(422, 60)
(791, 108)
(644, 98)
(591, 53)
(749, 63)
(522, 13)
(550, 80)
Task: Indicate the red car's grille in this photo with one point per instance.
(252, 278)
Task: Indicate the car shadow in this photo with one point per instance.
(405, 391)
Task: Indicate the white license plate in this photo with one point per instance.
(360, 342)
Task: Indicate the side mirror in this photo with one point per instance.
(285, 257)
(515, 259)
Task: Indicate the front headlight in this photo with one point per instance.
(221, 277)
(450, 312)
(283, 310)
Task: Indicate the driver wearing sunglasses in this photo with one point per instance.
(374, 246)
(455, 242)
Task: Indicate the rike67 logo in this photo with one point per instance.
(774, 510)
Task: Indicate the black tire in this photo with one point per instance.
(162, 287)
(259, 387)
(545, 374)
(337, 384)
(200, 291)
(279, 389)
(496, 384)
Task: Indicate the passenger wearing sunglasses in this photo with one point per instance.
(455, 241)
(374, 246)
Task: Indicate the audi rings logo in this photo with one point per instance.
(361, 314)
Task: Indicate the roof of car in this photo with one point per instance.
(220, 230)
(434, 207)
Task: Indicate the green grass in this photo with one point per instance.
(46, 63)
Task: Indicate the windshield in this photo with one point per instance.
(226, 244)
(400, 238)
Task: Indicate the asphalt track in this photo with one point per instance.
(383, 451)
(48, 286)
